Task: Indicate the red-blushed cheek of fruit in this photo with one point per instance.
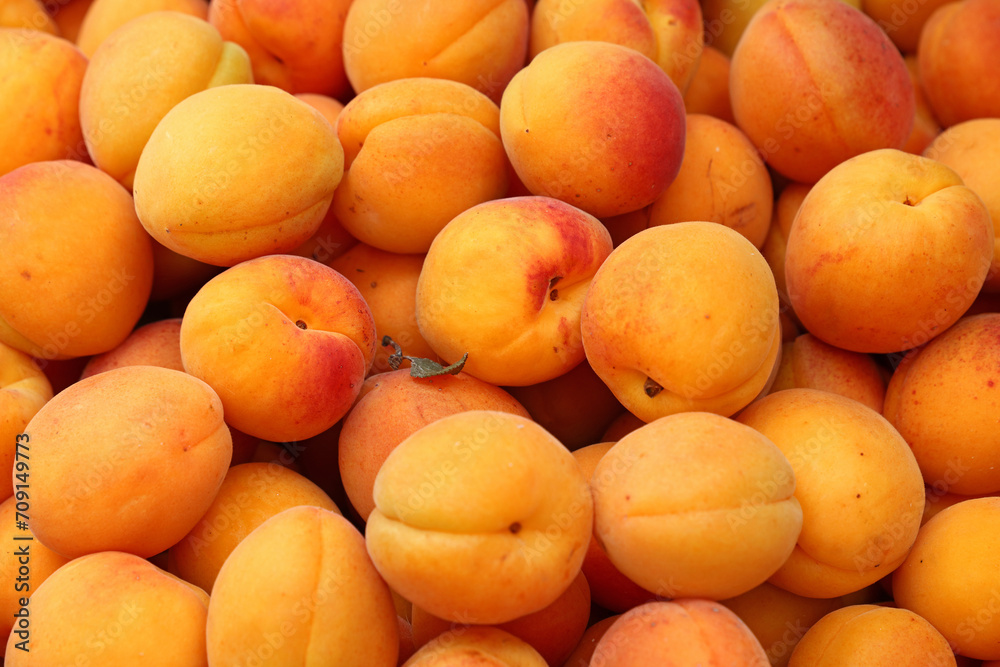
(563, 145)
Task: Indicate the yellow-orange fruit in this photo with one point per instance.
(25, 563)
(154, 344)
(394, 405)
(126, 460)
(113, 608)
(263, 189)
(286, 340)
(519, 321)
(682, 632)
(809, 363)
(576, 407)
(140, 72)
(40, 79)
(84, 294)
(972, 149)
(857, 482)
(609, 588)
(250, 494)
(944, 397)
(779, 619)
(417, 152)
(859, 233)
(300, 590)
(105, 16)
(597, 125)
(696, 505)
(480, 517)
(668, 32)
(954, 56)
(815, 82)
(553, 631)
(387, 281)
(296, 48)
(722, 179)
(24, 389)
(709, 90)
(665, 339)
(484, 646)
(868, 635)
(481, 43)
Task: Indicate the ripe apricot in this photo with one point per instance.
(126, 460)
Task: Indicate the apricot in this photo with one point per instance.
(708, 92)
(722, 179)
(29, 15)
(68, 15)
(153, 344)
(972, 150)
(576, 407)
(779, 619)
(105, 16)
(954, 59)
(626, 225)
(418, 152)
(944, 397)
(696, 505)
(24, 389)
(94, 283)
(518, 321)
(938, 498)
(484, 646)
(177, 276)
(139, 73)
(624, 424)
(597, 125)
(387, 281)
(287, 341)
(108, 454)
(326, 105)
(480, 517)
(584, 651)
(481, 43)
(857, 482)
(110, 608)
(902, 21)
(394, 405)
(250, 494)
(298, 50)
(683, 632)
(300, 590)
(776, 243)
(949, 577)
(872, 635)
(858, 235)
(925, 125)
(329, 242)
(809, 363)
(609, 588)
(668, 32)
(553, 631)
(815, 82)
(665, 338)
(263, 189)
(40, 79)
(25, 557)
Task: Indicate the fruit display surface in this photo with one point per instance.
(499, 333)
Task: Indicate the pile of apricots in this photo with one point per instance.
(524, 333)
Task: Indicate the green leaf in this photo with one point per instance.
(419, 366)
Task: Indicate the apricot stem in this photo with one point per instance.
(652, 387)
(419, 366)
